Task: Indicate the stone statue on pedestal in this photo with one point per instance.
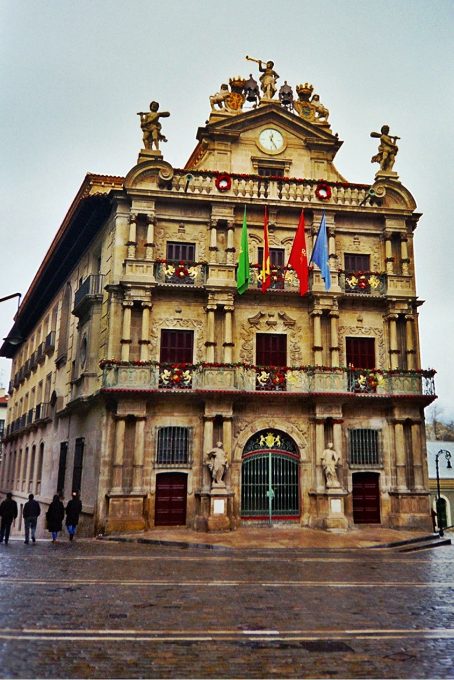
(268, 78)
(217, 463)
(387, 149)
(151, 127)
(330, 462)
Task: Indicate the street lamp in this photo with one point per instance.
(440, 516)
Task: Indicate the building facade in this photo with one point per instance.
(133, 352)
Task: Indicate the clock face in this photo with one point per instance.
(271, 140)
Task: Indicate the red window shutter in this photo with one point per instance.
(271, 349)
(177, 346)
(360, 352)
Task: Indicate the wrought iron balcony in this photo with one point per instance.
(363, 283)
(90, 290)
(281, 279)
(181, 272)
(247, 378)
(49, 343)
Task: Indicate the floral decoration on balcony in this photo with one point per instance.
(363, 380)
(223, 182)
(175, 376)
(183, 272)
(277, 275)
(323, 191)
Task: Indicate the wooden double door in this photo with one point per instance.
(366, 498)
(171, 499)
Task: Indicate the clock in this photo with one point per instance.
(271, 141)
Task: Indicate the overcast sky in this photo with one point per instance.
(74, 73)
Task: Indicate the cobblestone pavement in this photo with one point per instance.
(96, 609)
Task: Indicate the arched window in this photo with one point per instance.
(63, 334)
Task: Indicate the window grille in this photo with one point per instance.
(173, 446)
(364, 447)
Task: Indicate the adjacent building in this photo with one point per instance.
(136, 361)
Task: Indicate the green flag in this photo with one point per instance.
(242, 277)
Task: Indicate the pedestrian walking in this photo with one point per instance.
(73, 510)
(8, 513)
(30, 513)
(55, 516)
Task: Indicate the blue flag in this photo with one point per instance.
(320, 253)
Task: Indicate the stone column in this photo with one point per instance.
(389, 253)
(210, 342)
(227, 435)
(150, 244)
(228, 336)
(334, 319)
(132, 242)
(331, 245)
(401, 458)
(410, 349)
(213, 242)
(317, 335)
(126, 330)
(230, 250)
(404, 259)
(393, 348)
(114, 310)
(145, 332)
(139, 452)
(117, 471)
(417, 455)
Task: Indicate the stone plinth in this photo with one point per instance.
(215, 509)
(328, 510)
(149, 155)
(125, 512)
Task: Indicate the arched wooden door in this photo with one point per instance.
(171, 499)
(270, 477)
(366, 498)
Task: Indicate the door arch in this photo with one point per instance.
(366, 497)
(171, 499)
(270, 477)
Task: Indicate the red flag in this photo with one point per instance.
(298, 257)
(266, 268)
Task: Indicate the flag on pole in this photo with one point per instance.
(320, 253)
(242, 275)
(266, 266)
(298, 256)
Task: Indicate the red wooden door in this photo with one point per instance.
(171, 496)
(366, 498)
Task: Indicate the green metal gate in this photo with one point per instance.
(270, 478)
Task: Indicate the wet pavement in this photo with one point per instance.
(107, 609)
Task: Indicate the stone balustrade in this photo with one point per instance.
(275, 188)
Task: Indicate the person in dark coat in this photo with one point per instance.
(8, 513)
(30, 513)
(55, 516)
(73, 510)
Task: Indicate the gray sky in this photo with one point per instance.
(73, 75)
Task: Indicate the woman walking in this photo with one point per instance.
(54, 516)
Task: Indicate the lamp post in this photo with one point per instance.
(447, 455)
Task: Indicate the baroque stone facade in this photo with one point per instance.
(133, 353)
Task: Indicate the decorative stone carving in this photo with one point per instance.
(330, 462)
(217, 463)
(387, 149)
(151, 127)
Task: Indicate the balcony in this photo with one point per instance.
(281, 279)
(181, 273)
(247, 378)
(49, 343)
(90, 291)
(40, 353)
(363, 283)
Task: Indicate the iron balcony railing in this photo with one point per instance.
(49, 343)
(281, 278)
(181, 272)
(363, 283)
(92, 285)
(247, 378)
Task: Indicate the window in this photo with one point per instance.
(176, 346)
(268, 171)
(173, 446)
(62, 467)
(277, 257)
(177, 251)
(364, 447)
(78, 462)
(360, 352)
(271, 349)
(39, 473)
(353, 262)
(32, 470)
(64, 324)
